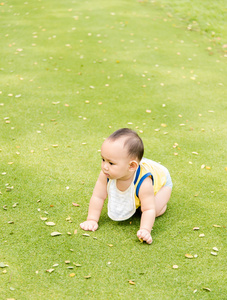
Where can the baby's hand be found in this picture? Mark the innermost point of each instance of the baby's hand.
(145, 236)
(89, 225)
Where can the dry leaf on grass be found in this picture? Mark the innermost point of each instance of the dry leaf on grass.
(55, 233)
(2, 265)
(55, 265)
(77, 265)
(50, 223)
(196, 228)
(50, 270)
(206, 289)
(189, 255)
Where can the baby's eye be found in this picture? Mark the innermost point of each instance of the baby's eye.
(111, 163)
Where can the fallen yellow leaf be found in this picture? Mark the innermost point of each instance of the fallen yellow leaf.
(188, 255)
(86, 234)
(77, 265)
(55, 233)
(207, 289)
(196, 228)
(50, 270)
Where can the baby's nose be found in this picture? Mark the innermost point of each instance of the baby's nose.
(105, 166)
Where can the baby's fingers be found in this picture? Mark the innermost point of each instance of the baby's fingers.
(148, 239)
(82, 226)
(145, 236)
(93, 227)
(140, 235)
(85, 226)
(88, 226)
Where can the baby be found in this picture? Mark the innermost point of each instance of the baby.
(130, 181)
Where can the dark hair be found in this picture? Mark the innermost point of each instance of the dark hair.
(133, 142)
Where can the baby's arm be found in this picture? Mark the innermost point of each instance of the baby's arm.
(96, 204)
(146, 196)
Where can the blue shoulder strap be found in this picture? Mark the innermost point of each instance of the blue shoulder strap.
(137, 175)
(141, 181)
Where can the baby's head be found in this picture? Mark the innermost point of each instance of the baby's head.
(131, 142)
(121, 153)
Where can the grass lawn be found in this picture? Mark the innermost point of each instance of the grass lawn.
(71, 73)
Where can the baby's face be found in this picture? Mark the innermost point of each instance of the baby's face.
(115, 159)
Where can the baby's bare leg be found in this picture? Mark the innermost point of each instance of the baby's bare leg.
(161, 199)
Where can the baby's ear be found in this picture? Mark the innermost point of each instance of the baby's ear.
(133, 165)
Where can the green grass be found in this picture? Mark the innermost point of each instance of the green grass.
(124, 57)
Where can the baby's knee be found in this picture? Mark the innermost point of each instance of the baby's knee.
(161, 212)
